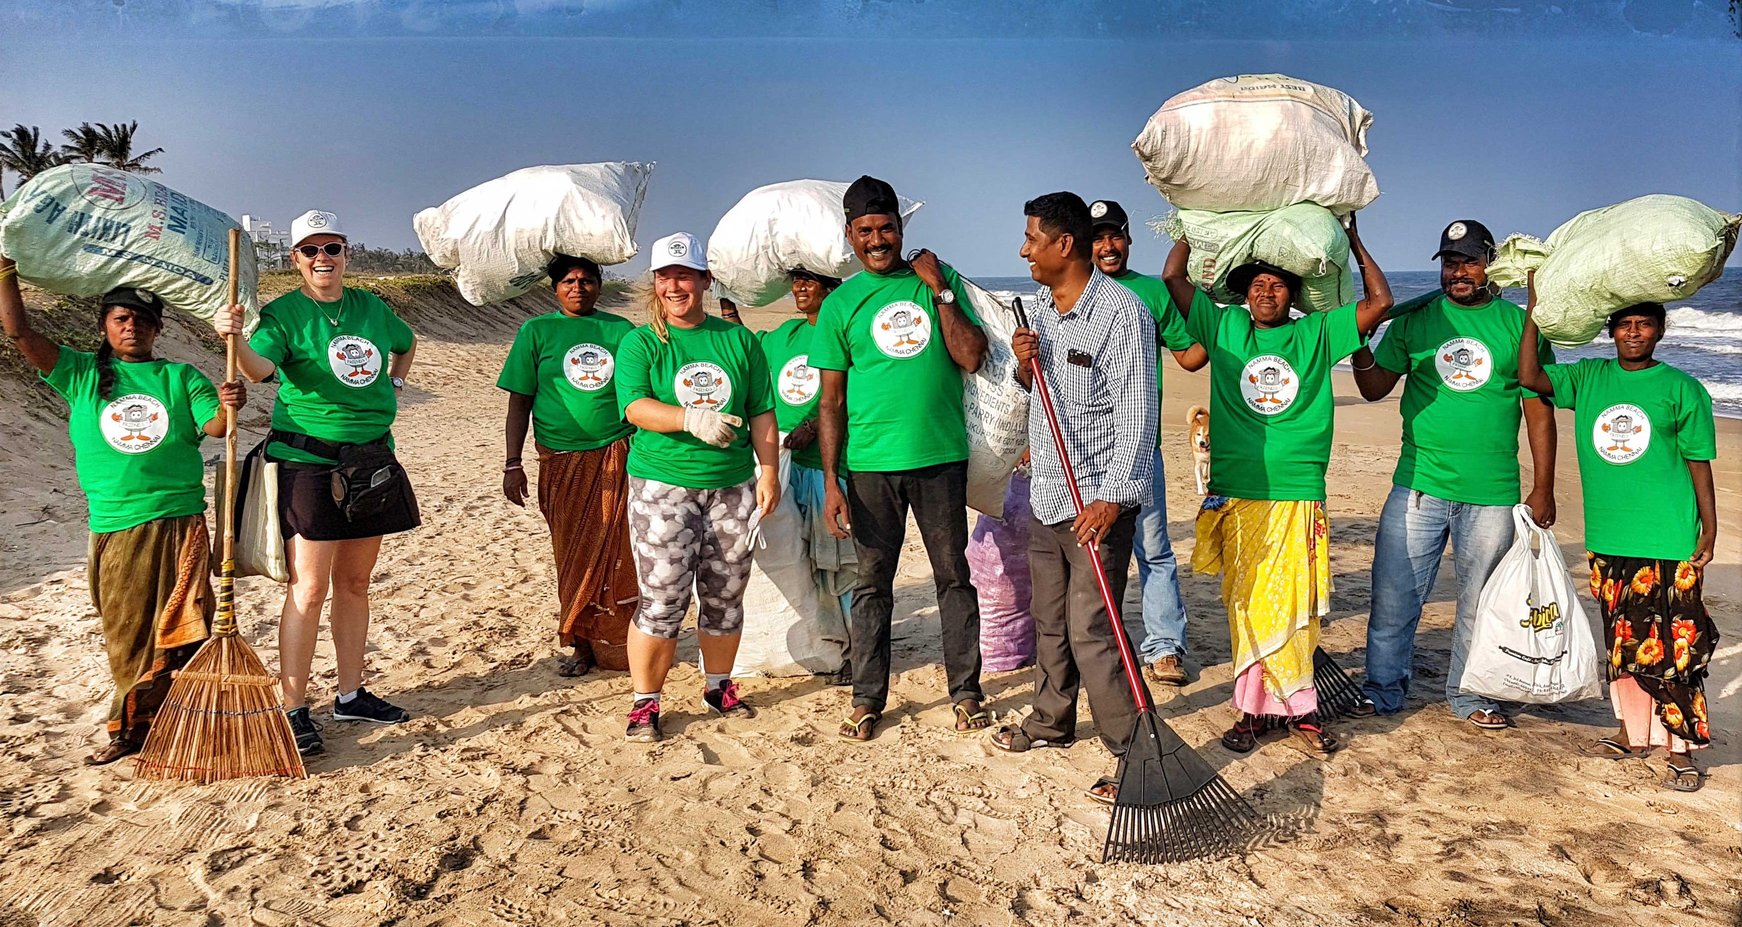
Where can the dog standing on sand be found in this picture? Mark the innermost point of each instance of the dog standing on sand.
(1198, 420)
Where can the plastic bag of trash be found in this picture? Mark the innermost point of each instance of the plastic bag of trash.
(779, 227)
(1305, 239)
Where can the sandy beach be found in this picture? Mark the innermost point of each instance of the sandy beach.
(512, 799)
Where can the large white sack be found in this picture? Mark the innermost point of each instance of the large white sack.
(994, 407)
(1259, 141)
(1656, 248)
(773, 229)
(500, 234)
(790, 627)
(84, 229)
(1531, 641)
(1304, 239)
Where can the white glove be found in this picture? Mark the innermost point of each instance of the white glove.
(712, 427)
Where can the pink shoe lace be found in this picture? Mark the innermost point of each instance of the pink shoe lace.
(645, 712)
(729, 700)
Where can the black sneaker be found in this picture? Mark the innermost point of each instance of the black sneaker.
(725, 702)
(308, 734)
(366, 707)
(643, 722)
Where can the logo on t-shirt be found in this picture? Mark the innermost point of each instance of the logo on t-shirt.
(1622, 433)
(1268, 384)
(901, 329)
(702, 385)
(798, 381)
(355, 360)
(1463, 364)
(588, 367)
(134, 423)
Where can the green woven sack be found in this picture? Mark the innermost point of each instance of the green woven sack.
(1304, 239)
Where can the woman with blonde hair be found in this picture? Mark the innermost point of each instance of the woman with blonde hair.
(341, 355)
(699, 478)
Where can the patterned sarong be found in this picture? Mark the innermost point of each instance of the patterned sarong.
(152, 587)
(1274, 558)
(1660, 640)
(583, 496)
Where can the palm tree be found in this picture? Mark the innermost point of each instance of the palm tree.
(84, 143)
(118, 149)
(23, 152)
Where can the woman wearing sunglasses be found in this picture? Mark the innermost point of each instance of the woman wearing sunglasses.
(341, 355)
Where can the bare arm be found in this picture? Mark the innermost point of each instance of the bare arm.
(1705, 499)
(965, 341)
(653, 415)
(228, 322)
(1179, 279)
(1192, 359)
(1539, 427)
(38, 351)
(1530, 375)
(232, 396)
(1375, 381)
(1376, 298)
(513, 474)
(401, 363)
(831, 432)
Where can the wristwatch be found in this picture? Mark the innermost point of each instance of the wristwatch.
(947, 297)
(398, 382)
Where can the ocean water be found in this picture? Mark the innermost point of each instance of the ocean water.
(1704, 336)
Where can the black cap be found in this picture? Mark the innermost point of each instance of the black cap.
(133, 297)
(1240, 278)
(1107, 212)
(869, 196)
(1468, 238)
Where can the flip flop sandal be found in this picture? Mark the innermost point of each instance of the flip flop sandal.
(1101, 783)
(573, 665)
(1011, 738)
(1327, 742)
(860, 731)
(1611, 749)
(1242, 737)
(964, 717)
(1494, 725)
(1684, 778)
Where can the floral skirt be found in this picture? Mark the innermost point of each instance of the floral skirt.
(1658, 633)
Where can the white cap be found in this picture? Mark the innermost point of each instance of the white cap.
(679, 249)
(314, 222)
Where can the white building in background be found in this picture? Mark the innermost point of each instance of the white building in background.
(270, 245)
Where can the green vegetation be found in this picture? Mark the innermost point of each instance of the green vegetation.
(24, 153)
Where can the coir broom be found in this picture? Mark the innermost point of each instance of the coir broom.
(223, 717)
(1172, 805)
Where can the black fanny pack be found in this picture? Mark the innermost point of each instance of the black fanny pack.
(367, 479)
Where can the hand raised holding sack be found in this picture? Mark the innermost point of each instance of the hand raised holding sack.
(716, 428)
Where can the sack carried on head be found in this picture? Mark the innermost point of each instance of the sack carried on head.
(85, 229)
(1259, 141)
(500, 235)
(797, 224)
(1306, 240)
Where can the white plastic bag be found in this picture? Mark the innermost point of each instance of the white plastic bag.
(1532, 642)
(1656, 248)
(773, 229)
(790, 627)
(499, 235)
(1256, 142)
(994, 408)
(84, 229)
(1303, 239)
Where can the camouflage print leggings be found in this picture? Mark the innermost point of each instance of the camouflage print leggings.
(690, 538)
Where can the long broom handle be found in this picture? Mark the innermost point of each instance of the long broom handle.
(1127, 657)
(226, 617)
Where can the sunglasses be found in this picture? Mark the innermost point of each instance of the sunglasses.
(332, 249)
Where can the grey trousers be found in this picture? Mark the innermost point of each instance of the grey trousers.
(1074, 646)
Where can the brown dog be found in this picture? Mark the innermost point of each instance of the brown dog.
(1198, 420)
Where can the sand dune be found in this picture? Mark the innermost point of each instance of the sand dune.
(511, 799)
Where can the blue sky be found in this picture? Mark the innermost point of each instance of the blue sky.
(1519, 114)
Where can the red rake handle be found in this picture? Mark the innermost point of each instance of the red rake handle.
(1127, 657)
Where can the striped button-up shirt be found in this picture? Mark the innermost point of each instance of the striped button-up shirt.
(1099, 359)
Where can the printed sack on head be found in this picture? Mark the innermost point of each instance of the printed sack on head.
(1258, 142)
(776, 228)
(499, 235)
(85, 229)
(1304, 239)
(994, 408)
(1532, 642)
(1656, 248)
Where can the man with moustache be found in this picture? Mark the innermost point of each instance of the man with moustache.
(1457, 476)
(1164, 612)
(891, 344)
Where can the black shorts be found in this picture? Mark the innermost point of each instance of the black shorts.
(306, 507)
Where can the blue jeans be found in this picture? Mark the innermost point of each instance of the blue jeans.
(1413, 531)
(1164, 610)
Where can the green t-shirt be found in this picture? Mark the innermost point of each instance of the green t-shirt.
(334, 380)
(1271, 408)
(717, 365)
(1170, 326)
(1636, 431)
(137, 452)
(1460, 399)
(904, 393)
(797, 385)
(566, 363)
